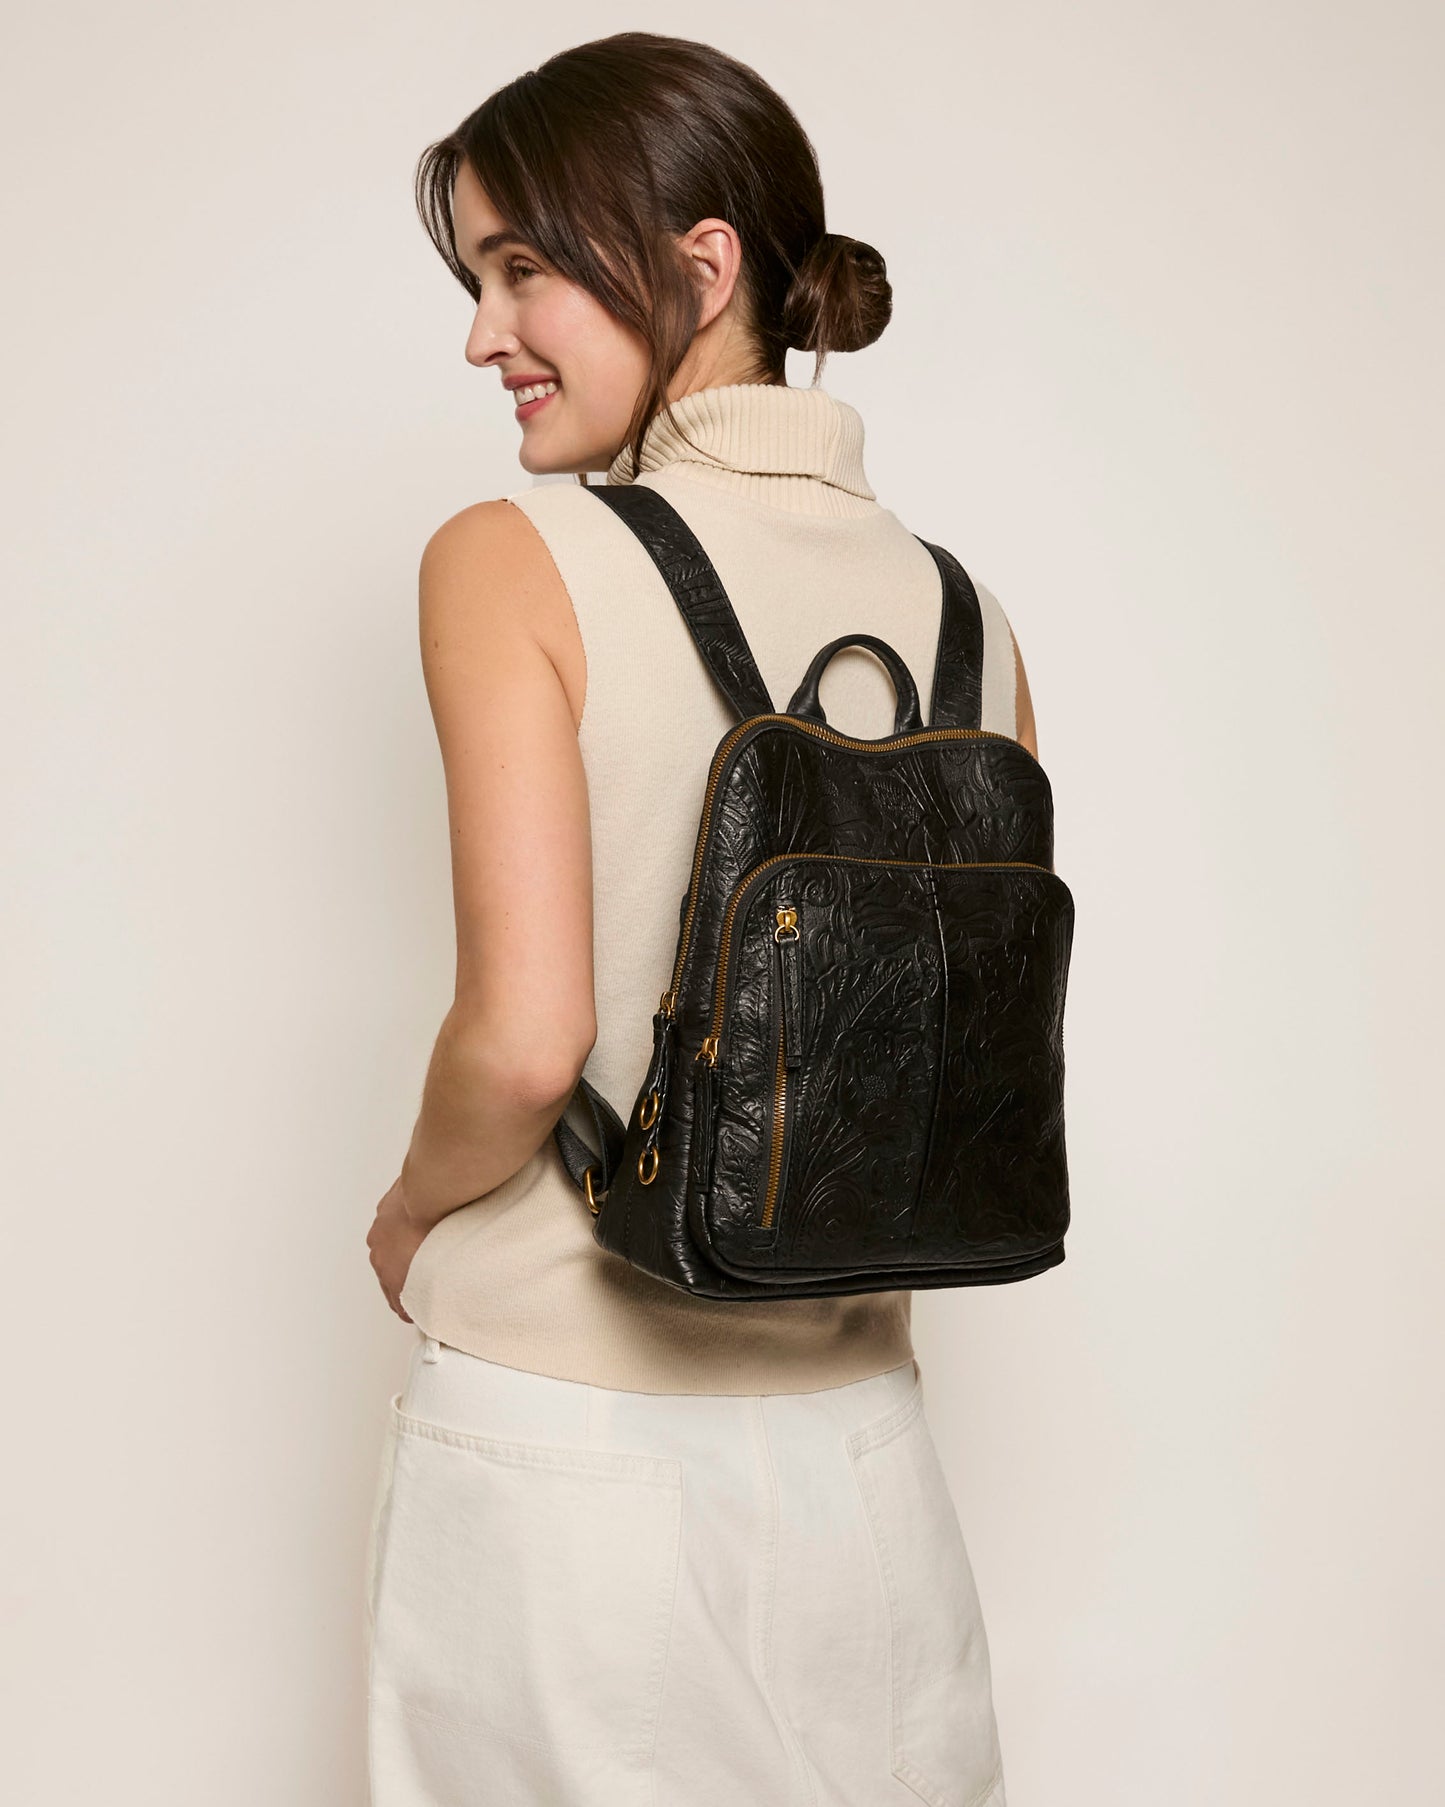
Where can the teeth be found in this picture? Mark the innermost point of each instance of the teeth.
(530, 395)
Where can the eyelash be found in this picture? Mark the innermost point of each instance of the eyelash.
(526, 269)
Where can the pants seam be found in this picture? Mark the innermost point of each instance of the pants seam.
(790, 1738)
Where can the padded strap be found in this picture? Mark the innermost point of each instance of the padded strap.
(957, 700)
(703, 603)
(696, 589)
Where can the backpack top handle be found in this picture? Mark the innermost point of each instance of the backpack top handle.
(805, 702)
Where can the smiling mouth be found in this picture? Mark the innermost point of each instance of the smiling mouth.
(525, 410)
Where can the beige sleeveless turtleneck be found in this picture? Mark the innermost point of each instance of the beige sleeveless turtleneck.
(772, 484)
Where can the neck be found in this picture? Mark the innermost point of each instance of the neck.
(797, 449)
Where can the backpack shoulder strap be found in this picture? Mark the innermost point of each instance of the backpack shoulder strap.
(696, 589)
(957, 700)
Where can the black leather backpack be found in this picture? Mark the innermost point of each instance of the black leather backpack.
(857, 1072)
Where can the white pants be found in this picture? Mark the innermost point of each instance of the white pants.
(585, 1598)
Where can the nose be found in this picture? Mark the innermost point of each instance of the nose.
(489, 340)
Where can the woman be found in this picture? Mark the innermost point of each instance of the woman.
(633, 1545)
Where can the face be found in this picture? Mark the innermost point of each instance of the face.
(534, 323)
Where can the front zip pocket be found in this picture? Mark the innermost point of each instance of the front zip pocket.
(886, 1046)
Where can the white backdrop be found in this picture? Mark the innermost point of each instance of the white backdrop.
(1165, 370)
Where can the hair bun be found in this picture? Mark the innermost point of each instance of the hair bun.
(840, 298)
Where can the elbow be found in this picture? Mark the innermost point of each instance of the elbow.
(535, 1068)
(545, 1084)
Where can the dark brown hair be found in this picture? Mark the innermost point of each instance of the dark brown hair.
(607, 152)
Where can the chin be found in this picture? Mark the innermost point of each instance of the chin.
(537, 465)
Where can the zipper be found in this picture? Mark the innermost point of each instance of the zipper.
(708, 1053)
(790, 1047)
(668, 1001)
(787, 936)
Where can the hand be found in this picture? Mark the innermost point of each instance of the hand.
(393, 1239)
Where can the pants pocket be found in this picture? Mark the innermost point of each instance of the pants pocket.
(944, 1735)
(523, 1598)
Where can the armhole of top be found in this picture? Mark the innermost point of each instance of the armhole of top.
(526, 501)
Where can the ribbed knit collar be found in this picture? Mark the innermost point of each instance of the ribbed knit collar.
(799, 449)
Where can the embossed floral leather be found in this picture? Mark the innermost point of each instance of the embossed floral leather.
(857, 1072)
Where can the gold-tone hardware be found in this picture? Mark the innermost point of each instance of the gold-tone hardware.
(667, 1003)
(787, 920)
(594, 1199)
(819, 733)
(708, 1050)
(646, 1122)
(864, 859)
(642, 1174)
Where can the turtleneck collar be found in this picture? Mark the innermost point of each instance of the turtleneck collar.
(799, 449)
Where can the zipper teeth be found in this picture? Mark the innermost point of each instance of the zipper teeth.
(821, 733)
(780, 1094)
(865, 859)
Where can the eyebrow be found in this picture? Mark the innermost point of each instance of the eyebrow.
(495, 240)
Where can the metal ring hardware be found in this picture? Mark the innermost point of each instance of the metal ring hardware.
(594, 1200)
(647, 1178)
(647, 1121)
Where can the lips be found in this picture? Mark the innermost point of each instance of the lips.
(525, 410)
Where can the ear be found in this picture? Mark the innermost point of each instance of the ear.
(714, 253)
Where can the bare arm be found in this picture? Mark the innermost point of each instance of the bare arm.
(522, 1021)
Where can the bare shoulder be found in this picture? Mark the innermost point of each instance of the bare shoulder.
(1027, 733)
(490, 549)
(997, 623)
(487, 568)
